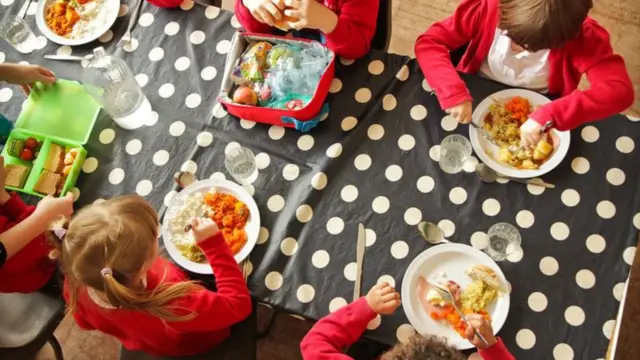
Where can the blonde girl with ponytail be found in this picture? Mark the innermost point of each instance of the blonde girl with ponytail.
(116, 282)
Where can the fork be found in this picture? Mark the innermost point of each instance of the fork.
(246, 269)
(447, 296)
(126, 38)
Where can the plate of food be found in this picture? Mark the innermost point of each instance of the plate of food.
(228, 204)
(476, 282)
(501, 115)
(76, 22)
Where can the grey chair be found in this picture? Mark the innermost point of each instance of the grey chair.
(27, 323)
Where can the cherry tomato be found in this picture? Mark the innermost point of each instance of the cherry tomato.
(294, 104)
(26, 154)
(31, 143)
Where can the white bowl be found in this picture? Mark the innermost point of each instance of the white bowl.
(111, 7)
(486, 151)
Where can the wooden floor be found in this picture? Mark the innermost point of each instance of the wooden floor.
(410, 18)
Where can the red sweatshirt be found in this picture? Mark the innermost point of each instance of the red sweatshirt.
(215, 311)
(30, 268)
(474, 22)
(353, 34)
(332, 334)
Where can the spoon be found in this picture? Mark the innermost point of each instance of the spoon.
(488, 175)
(447, 296)
(432, 233)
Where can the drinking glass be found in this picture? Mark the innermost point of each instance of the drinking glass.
(454, 151)
(504, 240)
(17, 33)
(241, 164)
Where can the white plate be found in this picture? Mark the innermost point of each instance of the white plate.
(223, 186)
(484, 149)
(452, 260)
(110, 7)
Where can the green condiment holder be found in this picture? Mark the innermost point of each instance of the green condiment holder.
(62, 113)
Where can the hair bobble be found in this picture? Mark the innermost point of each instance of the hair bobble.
(60, 233)
(106, 271)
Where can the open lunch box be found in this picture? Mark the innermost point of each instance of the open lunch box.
(302, 119)
(44, 152)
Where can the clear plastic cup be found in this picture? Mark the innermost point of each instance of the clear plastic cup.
(241, 164)
(503, 240)
(454, 151)
(17, 33)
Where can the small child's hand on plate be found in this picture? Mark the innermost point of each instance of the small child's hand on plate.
(462, 112)
(482, 325)
(530, 133)
(383, 299)
(203, 228)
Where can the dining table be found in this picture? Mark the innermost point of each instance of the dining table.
(373, 161)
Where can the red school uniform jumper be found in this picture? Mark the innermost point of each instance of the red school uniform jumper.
(215, 311)
(353, 34)
(329, 336)
(30, 268)
(474, 22)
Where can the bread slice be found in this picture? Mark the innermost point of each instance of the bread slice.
(48, 183)
(55, 159)
(16, 175)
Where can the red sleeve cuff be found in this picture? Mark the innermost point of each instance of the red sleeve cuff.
(362, 310)
(497, 351)
(213, 243)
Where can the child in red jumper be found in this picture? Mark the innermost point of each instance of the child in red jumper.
(348, 26)
(543, 45)
(327, 339)
(116, 282)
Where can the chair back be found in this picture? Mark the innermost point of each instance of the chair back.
(382, 37)
(23, 317)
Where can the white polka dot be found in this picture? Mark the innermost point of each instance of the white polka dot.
(273, 280)
(574, 315)
(152, 119)
(491, 207)
(336, 304)
(349, 123)
(406, 142)
(606, 209)
(177, 128)
(447, 226)
(116, 176)
(629, 254)
(76, 193)
(218, 111)
(204, 139)
(363, 95)
(208, 73)
(161, 157)
(64, 50)
(405, 332)
(320, 259)
(334, 150)
(131, 45)
(370, 237)
(449, 123)
(189, 166)
(350, 271)
(570, 197)
(425, 184)
(319, 181)
(525, 339)
(434, 153)
(596, 243)
(107, 136)
(290, 172)
(393, 173)
(615, 176)
(375, 132)
(458, 195)
(144, 187)
(380, 204)
(389, 102)
(223, 47)
(426, 86)
(289, 246)
(625, 144)
(218, 175)
(142, 79)
(535, 189)
(375, 323)
(349, 193)
(276, 132)
(549, 266)
(562, 352)
(106, 37)
(304, 213)
(2, 57)
(346, 61)
(559, 231)
(6, 94)
(585, 279)
(305, 142)
(336, 86)
(133, 147)
(516, 256)
(399, 249)
(525, 219)
(418, 112)
(263, 235)
(376, 67)
(212, 12)
(169, 197)
(40, 43)
(412, 216)
(636, 221)
(197, 37)
(182, 63)
(580, 165)
(362, 162)
(335, 225)
(633, 118)
(172, 28)
(479, 240)
(247, 124)
(403, 73)
(145, 19)
(590, 134)
(193, 100)
(618, 291)
(275, 203)
(608, 328)
(537, 302)
(387, 279)
(90, 165)
(166, 90)
(262, 160)
(187, 5)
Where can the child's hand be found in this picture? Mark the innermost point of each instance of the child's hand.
(50, 208)
(483, 327)
(265, 11)
(530, 133)
(462, 113)
(26, 75)
(203, 228)
(383, 299)
(310, 14)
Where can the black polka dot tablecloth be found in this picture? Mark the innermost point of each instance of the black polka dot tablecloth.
(373, 160)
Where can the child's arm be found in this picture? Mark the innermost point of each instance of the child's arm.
(432, 52)
(355, 28)
(610, 89)
(246, 19)
(331, 335)
(496, 352)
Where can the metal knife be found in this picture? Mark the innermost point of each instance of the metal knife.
(485, 134)
(23, 10)
(65, 57)
(359, 260)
